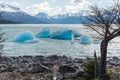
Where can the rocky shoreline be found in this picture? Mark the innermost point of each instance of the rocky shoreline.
(51, 67)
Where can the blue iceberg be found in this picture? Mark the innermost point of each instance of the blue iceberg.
(76, 34)
(85, 39)
(27, 36)
(44, 33)
(62, 34)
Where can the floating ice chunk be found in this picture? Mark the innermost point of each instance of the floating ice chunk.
(76, 34)
(85, 39)
(44, 33)
(72, 39)
(31, 41)
(62, 34)
(27, 36)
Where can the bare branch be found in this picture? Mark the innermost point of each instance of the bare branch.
(94, 29)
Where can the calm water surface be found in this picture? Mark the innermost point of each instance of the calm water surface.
(51, 46)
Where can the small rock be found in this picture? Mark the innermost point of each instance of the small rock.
(115, 58)
(1, 79)
(18, 72)
(115, 63)
(3, 65)
(39, 57)
(36, 68)
(64, 56)
(48, 64)
(7, 59)
(80, 73)
(69, 61)
(28, 57)
(78, 60)
(66, 69)
(9, 69)
(53, 57)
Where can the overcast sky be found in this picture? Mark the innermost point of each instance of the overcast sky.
(53, 7)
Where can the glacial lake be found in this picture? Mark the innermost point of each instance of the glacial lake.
(46, 46)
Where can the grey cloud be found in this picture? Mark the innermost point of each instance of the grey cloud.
(76, 1)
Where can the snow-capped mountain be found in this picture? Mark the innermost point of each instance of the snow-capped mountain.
(9, 8)
(15, 14)
(78, 14)
(68, 18)
(42, 15)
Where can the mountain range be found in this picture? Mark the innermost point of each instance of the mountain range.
(68, 18)
(11, 14)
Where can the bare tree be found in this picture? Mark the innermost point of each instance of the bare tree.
(106, 22)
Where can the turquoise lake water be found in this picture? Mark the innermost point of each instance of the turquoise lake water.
(48, 46)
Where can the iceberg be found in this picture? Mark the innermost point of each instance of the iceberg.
(62, 34)
(85, 39)
(44, 33)
(76, 34)
(31, 41)
(27, 36)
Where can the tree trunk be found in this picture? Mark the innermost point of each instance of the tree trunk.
(96, 65)
(104, 45)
